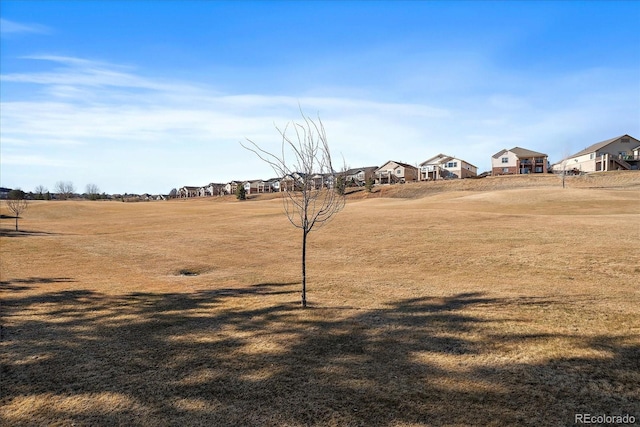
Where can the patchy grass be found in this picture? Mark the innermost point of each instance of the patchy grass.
(484, 306)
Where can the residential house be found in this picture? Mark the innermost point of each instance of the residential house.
(257, 186)
(273, 184)
(359, 176)
(619, 153)
(188, 191)
(395, 172)
(292, 182)
(232, 186)
(212, 189)
(518, 161)
(443, 166)
(317, 181)
(322, 180)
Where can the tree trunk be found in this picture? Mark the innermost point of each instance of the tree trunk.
(16, 222)
(304, 268)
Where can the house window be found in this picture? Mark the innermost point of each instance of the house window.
(505, 170)
(505, 160)
(592, 156)
(398, 172)
(452, 164)
(538, 169)
(625, 140)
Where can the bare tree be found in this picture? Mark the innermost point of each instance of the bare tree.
(565, 161)
(40, 192)
(17, 206)
(93, 192)
(65, 189)
(305, 161)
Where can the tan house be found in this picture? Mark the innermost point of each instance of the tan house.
(318, 180)
(292, 182)
(518, 161)
(257, 186)
(212, 189)
(395, 172)
(359, 176)
(443, 166)
(232, 187)
(619, 153)
(273, 184)
(188, 191)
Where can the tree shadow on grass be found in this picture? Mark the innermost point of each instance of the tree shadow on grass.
(24, 233)
(226, 357)
(17, 285)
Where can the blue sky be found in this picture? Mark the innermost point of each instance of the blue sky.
(145, 96)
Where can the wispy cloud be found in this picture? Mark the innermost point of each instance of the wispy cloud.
(77, 72)
(11, 27)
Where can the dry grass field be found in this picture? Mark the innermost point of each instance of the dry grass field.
(500, 301)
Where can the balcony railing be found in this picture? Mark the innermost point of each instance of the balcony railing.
(625, 157)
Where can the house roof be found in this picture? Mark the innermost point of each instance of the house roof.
(406, 165)
(356, 170)
(443, 158)
(397, 163)
(440, 157)
(520, 152)
(598, 145)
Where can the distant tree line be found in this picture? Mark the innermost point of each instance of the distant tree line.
(63, 190)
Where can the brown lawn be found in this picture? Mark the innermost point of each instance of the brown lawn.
(502, 301)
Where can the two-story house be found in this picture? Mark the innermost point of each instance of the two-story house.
(212, 189)
(518, 161)
(619, 153)
(359, 176)
(188, 191)
(443, 166)
(395, 172)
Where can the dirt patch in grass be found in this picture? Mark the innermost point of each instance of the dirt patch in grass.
(191, 271)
